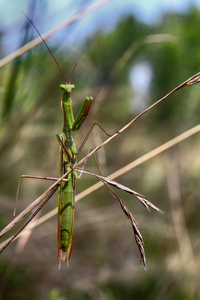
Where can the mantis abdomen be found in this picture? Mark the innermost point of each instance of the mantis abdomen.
(67, 194)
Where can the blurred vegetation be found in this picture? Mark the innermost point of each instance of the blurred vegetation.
(105, 260)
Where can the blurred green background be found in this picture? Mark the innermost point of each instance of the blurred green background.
(126, 62)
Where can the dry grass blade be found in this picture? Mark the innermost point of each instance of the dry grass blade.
(38, 40)
(46, 199)
(35, 203)
(137, 234)
(138, 237)
(193, 80)
(149, 205)
(124, 188)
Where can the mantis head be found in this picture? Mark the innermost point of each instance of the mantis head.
(68, 88)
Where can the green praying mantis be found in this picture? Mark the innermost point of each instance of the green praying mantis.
(68, 172)
(66, 192)
(67, 161)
